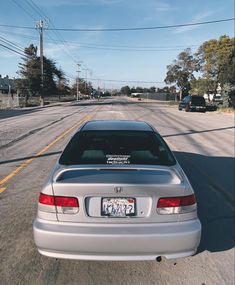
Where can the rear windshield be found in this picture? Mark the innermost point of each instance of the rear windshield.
(117, 147)
(196, 99)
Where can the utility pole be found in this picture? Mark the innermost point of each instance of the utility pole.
(40, 27)
(78, 92)
(86, 69)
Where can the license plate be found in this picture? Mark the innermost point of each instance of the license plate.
(118, 207)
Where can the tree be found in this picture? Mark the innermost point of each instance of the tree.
(216, 59)
(165, 89)
(172, 89)
(139, 89)
(30, 72)
(201, 86)
(126, 90)
(228, 93)
(29, 83)
(181, 71)
(83, 87)
(133, 90)
(63, 87)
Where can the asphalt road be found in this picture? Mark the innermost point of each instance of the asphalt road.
(204, 146)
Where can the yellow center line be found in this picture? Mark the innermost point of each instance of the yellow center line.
(3, 189)
(27, 162)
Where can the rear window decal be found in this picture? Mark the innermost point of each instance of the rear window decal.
(117, 159)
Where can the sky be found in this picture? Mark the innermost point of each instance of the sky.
(112, 59)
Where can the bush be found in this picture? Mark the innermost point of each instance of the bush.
(228, 94)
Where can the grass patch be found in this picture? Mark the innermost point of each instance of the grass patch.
(229, 110)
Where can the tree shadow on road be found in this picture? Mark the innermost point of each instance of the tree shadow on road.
(4, 114)
(212, 179)
(19, 159)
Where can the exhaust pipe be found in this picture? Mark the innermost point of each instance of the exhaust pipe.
(159, 259)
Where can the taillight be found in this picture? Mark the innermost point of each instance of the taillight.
(63, 204)
(46, 199)
(66, 202)
(176, 205)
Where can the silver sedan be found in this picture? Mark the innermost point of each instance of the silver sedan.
(117, 193)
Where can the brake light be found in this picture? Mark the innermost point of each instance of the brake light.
(46, 199)
(176, 205)
(63, 204)
(66, 202)
(168, 202)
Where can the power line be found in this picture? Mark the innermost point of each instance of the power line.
(14, 45)
(125, 29)
(125, 81)
(18, 34)
(35, 8)
(144, 28)
(13, 50)
(17, 27)
(128, 49)
(39, 12)
(115, 80)
(26, 11)
(109, 47)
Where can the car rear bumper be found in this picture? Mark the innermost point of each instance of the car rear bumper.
(117, 242)
(198, 108)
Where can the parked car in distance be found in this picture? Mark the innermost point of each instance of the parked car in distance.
(193, 103)
(217, 99)
(117, 193)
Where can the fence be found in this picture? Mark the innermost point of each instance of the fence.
(9, 101)
(158, 96)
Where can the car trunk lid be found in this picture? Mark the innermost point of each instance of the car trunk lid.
(97, 187)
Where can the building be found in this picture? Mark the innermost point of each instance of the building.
(7, 85)
(8, 96)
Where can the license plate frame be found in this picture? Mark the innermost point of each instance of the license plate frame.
(125, 207)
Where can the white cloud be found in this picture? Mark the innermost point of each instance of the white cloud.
(164, 7)
(198, 18)
(58, 50)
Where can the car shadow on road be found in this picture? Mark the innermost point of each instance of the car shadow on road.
(212, 179)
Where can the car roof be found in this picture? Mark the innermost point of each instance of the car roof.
(117, 125)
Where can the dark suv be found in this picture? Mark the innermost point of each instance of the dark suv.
(193, 103)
